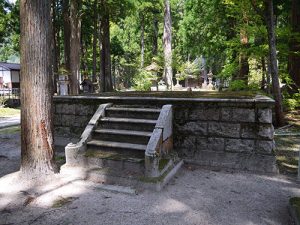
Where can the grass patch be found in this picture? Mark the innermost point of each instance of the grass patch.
(295, 203)
(62, 202)
(10, 130)
(9, 112)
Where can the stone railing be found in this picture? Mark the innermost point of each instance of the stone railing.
(161, 141)
(72, 150)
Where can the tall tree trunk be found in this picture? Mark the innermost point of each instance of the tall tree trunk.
(105, 73)
(75, 45)
(67, 33)
(264, 72)
(95, 39)
(294, 56)
(167, 40)
(37, 152)
(155, 35)
(270, 23)
(142, 41)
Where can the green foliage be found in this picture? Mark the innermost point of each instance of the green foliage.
(292, 102)
(238, 85)
(142, 81)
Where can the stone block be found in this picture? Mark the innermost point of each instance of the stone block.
(81, 121)
(181, 114)
(57, 120)
(68, 109)
(239, 145)
(266, 132)
(59, 108)
(67, 120)
(238, 115)
(188, 146)
(249, 130)
(265, 147)
(201, 143)
(62, 131)
(216, 144)
(84, 110)
(199, 128)
(218, 129)
(264, 115)
(207, 114)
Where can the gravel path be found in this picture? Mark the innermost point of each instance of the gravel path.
(195, 196)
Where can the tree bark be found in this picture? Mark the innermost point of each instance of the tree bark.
(244, 64)
(75, 45)
(294, 56)
(37, 152)
(270, 23)
(142, 41)
(155, 36)
(167, 40)
(264, 72)
(95, 39)
(67, 33)
(105, 72)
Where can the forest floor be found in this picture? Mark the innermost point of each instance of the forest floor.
(195, 196)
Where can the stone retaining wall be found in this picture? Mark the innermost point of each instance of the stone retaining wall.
(228, 133)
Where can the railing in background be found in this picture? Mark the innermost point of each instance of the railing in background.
(10, 97)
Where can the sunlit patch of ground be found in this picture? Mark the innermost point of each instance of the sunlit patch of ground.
(9, 112)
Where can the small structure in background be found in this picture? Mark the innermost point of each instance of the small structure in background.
(9, 75)
(87, 85)
(154, 69)
(63, 83)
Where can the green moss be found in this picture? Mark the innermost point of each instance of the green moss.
(62, 202)
(163, 163)
(155, 180)
(295, 203)
(110, 155)
(182, 94)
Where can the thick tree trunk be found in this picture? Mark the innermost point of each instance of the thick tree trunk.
(75, 45)
(270, 23)
(142, 41)
(155, 35)
(167, 40)
(37, 152)
(95, 39)
(67, 33)
(294, 56)
(55, 32)
(105, 73)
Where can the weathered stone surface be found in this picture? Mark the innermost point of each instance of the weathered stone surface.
(249, 130)
(218, 129)
(264, 115)
(266, 132)
(207, 114)
(80, 121)
(265, 147)
(84, 110)
(59, 108)
(238, 115)
(216, 144)
(188, 146)
(199, 128)
(201, 143)
(68, 109)
(181, 114)
(238, 145)
(68, 120)
(57, 120)
(62, 131)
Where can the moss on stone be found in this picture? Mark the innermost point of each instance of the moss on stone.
(295, 203)
(163, 163)
(110, 155)
(62, 202)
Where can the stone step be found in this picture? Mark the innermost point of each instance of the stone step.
(138, 113)
(104, 145)
(128, 136)
(127, 124)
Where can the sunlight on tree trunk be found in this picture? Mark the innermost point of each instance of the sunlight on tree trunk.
(167, 39)
(37, 152)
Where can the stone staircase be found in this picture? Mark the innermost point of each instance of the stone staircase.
(125, 143)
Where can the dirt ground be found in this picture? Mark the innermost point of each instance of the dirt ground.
(195, 196)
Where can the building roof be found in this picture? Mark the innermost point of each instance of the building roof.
(10, 66)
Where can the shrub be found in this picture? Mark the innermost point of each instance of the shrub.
(238, 85)
(142, 81)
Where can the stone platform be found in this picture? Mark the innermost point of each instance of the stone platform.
(228, 132)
